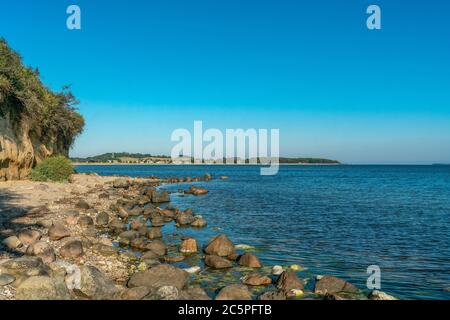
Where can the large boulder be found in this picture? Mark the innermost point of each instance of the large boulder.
(24, 267)
(217, 262)
(160, 196)
(256, 280)
(42, 288)
(249, 260)
(220, 246)
(58, 231)
(29, 236)
(95, 285)
(288, 281)
(234, 292)
(332, 285)
(72, 249)
(159, 276)
(42, 250)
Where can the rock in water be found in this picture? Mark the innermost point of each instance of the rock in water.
(154, 233)
(188, 245)
(249, 260)
(256, 280)
(157, 247)
(29, 236)
(234, 292)
(159, 276)
(217, 262)
(57, 232)
(273, 295)
(95, 285)
(72, 249)
(220, 246)
(42, 288)
(198, 222)
(380, 295)
(160, 196)
(277, 270)
(332, 285)
(288, 281)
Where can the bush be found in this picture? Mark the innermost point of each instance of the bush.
(57, 168)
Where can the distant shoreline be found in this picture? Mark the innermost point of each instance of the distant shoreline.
(200, 164)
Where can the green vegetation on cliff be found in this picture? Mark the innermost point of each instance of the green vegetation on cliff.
(50, 116)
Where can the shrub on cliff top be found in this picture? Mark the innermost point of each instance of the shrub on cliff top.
(50, 116)
(56, 169)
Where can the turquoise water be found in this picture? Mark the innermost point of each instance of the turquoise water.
(334, 220)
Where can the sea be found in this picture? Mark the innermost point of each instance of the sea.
(329, 220)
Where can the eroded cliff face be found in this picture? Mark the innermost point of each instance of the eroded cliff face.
(35, 122)
(19, 150)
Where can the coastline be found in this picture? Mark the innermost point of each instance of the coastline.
(109, 230)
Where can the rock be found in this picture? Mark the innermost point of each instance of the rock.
(380, 295)
(85, 221)
(224, 178)
(295, 267)
(167, 293)
(57, 232)
(277, 270)
(154, 233)
(12, 242)
(42, 250)
(256, 280)
(81, 204)
(72, 217)
(24, 266)
(136, 224)
(121, 184)
(116, 226)
(160, 196)
(158, 247)
(188, 245)
(46, 223)
(123, 213)
(95, 285)
(159, 276)
(197, 191)
(198, 222)
(193, 294)
(137, 293)
(102, 219)
(127, 236)
(220, 246)
(6, 279)
(273, 295)
(105, 250)
(243, 247)
(234, 292)
(233, 257)
(288, 280)
(90, 232)
(158, 221)
(29, 236)
(249, 260)
(184, 219)
(42, 288)
(193, 270)
(332, 285)
(217, 262)
(72, 249)
(174, 258)
(139, 243)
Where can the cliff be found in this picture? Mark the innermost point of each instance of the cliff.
(34, 121)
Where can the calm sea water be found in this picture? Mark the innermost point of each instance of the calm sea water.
(334, 220)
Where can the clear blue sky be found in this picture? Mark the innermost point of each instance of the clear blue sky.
(310, 68)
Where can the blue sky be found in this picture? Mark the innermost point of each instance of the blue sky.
(310, 68)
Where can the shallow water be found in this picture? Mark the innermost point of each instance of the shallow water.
(334, 220)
